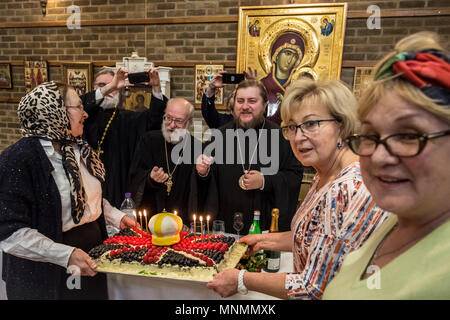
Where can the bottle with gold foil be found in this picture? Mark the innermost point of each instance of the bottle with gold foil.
(273, 257)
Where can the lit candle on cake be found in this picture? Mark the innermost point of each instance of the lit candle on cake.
(140, 219)
(135, 221)
(201, 226)
(145, 219)
(195, 230)
(207, 225)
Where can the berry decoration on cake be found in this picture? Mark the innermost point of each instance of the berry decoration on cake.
(167, 252)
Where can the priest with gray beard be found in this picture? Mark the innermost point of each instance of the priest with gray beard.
(114, 132)
(162, 171)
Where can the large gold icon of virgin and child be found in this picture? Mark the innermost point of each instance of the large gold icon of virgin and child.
(288, 51)
(284, 43)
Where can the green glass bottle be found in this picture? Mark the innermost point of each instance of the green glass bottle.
(255, 228)
(273, 257)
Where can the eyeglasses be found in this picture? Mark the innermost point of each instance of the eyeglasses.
(100, 84)
(400, 145)
(79, 107)
(307, 127)
(177, 121)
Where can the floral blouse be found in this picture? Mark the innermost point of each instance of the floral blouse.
(329, 224)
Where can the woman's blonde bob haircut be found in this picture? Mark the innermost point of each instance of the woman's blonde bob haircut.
(402, 88)
(334, 94)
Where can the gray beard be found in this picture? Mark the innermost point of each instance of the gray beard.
(173, 137)
(110, 102)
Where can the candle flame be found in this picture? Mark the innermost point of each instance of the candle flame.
(201, 218)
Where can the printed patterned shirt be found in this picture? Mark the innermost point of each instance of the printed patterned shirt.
(329, 224)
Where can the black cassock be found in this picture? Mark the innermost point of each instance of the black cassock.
(280, 191)
(121, 139)
(185, 196)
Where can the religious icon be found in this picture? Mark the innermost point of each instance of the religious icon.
(5, 76)
(203, 76)
(253, 29)
(35, 73)
(78, 75)
(138, 100)
(362, 79)
(326, 27)
(291, 42)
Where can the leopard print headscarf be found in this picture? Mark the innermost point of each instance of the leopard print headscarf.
(42, 114)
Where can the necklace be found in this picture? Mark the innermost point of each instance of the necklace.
(169, 181)
(378, 255)
(241, 179)
(99, 146)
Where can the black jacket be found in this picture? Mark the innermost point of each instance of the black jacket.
(30, 198)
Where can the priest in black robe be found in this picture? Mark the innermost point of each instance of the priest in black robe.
(115, 132)
(253, 166)
(162, 175)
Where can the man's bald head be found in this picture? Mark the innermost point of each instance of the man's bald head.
(180, 109)
(178, 117)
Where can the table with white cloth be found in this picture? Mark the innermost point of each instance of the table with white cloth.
(128, 287)
(2, 283)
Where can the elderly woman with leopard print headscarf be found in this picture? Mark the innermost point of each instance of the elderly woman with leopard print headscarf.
(51, 206)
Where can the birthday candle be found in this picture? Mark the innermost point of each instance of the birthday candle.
(201, 226)
(195, 230)
(135, 221)
(140, 219)
(145, 218)
(207, 225)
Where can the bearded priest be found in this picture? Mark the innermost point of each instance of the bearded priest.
(163, 166)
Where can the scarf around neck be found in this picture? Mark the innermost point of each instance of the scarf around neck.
(43, 114)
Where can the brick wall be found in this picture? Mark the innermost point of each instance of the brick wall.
(172, 40)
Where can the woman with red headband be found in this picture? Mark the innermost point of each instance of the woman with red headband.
(404, 150)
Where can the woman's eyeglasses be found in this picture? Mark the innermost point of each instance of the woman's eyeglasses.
(307, 127)
(79, 107)
(400, 145)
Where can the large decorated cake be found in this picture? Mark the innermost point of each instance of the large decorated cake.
(166, 251)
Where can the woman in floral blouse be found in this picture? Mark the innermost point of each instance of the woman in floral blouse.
(338, 213)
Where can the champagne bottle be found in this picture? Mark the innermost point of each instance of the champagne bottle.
(273, 257)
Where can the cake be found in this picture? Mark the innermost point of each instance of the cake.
(167, 252)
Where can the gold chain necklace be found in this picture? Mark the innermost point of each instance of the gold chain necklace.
(99, 146)
(169, 181)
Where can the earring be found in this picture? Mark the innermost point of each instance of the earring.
(339, 145)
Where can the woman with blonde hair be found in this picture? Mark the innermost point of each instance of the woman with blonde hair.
(338, 213)
(404, 147)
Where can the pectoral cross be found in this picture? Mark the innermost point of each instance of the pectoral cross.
(169, 184)
(99, 152)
